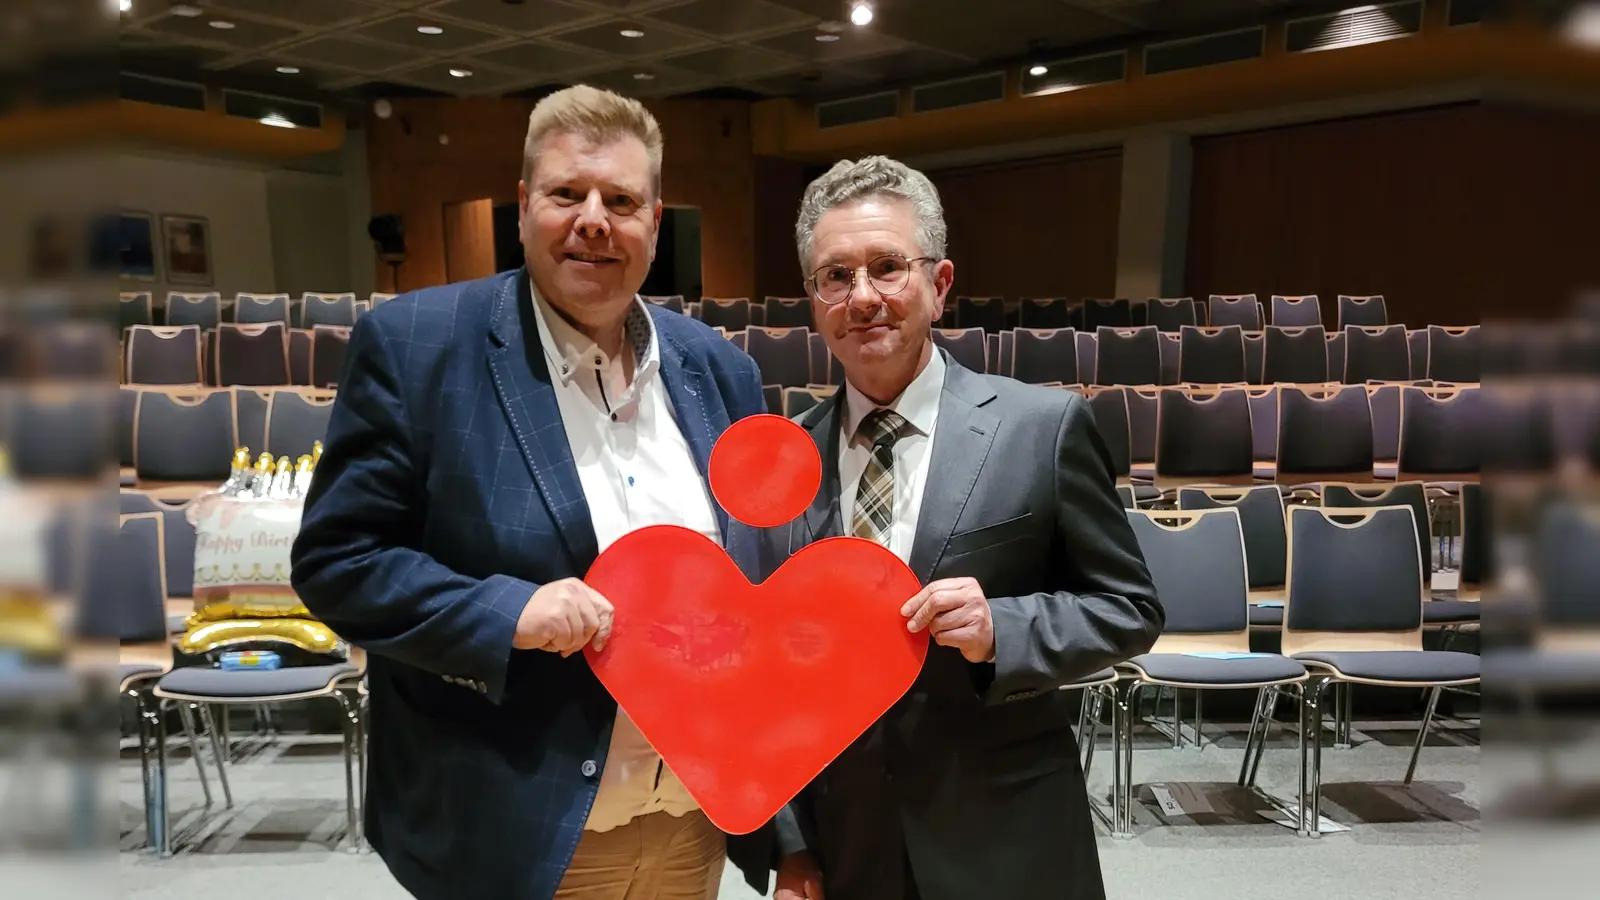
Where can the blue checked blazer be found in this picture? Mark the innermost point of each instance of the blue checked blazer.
(445, 496)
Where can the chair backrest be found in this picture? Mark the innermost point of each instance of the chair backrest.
(295, 421)
(1171, 313)
(1384, 401)
(732, 313)
(1211, 355)
(1197, 563)
(966, 346)
(1039, 356)
(1336, 356)
(1518, 430)
(184, 437)
(125, 585)
(127, 400)
(1362, 310)
(204, 310)
(1406, 493)
(1044, 312)
(250, 415)
(783, 355)
(327, 309)
(1107, 312)
(1453, 354)
(1294, 355)
(1324, 435)
(797, 400)
(1171, 356)
(1143, 409)
(1127, 356)
(1203, 436)
(1296, 311)
(163, 355)
(1438, 434)
(178, 536)
(1088, 356)
(1264, 421)
(300, 356)
(1255, 351)
(251, 354)
(1126, 495)
(1261, 516)
(785, 312)
(378, 298)
(824, 368)
(329, 346)
(135, 308)
(987, 313)
(1566, 567)
(249, 309)
(74, 350)
(735, 338)
(1353, 580)
(61, 431)
(1007, 358)
(1243, 310)
(1377, 353)
(1110, 408)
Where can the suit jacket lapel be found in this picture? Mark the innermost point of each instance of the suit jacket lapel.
(961, 440)
(522, 382)
(822, 519)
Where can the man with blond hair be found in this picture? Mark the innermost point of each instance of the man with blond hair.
(490, 439)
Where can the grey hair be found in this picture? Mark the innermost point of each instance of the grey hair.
(872, 176)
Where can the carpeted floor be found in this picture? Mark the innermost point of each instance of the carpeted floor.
(1403, 843)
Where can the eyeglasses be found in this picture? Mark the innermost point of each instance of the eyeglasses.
(889, 275)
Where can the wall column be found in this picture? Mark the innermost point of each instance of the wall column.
(1153, 224)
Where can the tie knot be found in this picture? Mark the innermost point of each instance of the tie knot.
(882, 426)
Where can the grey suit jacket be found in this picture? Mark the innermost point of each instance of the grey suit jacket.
(973, 777)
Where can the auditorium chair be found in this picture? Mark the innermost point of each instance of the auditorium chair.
(1362, 310)
(1378, 353)
(377, 299)
(1044, 312)
(1211, 355)
(327, 309)
(736, 338)
(1127, 356)
(300, 356)
(673, 302)
(1324, 434)
(783, 355)
(1007, 361)
(74, 351)
(1203, 437)
(1088, 356)
(1040, 357)
(1384, 401)
(178, 546)
(1143, 402)
(797, 400)
(967, 346)
(183, 441)
(1294, 355)
(1336, 357)
(135, 308)
(1297, 311)
(1109, 313)
(987, 313)
(732, 313)
(1243, 310)
(251, 309)
(251, 354)
(1436, 613)
(1266, 549)
(1264, 429)
(1254, 357)
(824, 368)
(295, 421)
(1170, 313)
(162, 354)
(787, 312)
(1417, 348)
(1439, 435)
(203, 310)
(1171, 356)
(61, 432)
(329, 346)
(1453, 354)
(127, 401)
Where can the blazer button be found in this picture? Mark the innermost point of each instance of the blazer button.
(589, 768)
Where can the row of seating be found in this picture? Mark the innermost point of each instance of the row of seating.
(266, 353)
(209, 309)
(995, 314)
(182, 439)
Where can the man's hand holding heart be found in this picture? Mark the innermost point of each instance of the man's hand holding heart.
(956, 614)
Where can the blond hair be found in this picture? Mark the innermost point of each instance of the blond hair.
(598, 115)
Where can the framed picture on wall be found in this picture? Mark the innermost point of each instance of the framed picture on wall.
(134, 237)
(188, 243)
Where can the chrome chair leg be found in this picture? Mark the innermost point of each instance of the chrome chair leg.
(217, 754)
(1311, 808)
(1090, 731)
(1125, 825)
(349, 729)
(186, 715)
(1266, 730)
(162, 842)
(1343, 713)
(1422, 733)
(1199, 741)
(1250, 740)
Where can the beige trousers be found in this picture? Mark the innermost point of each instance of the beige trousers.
(654, 857)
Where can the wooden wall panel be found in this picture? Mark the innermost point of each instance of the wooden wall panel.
(1454, 213)
(1043, 228)
(469, 239)
(779, 187)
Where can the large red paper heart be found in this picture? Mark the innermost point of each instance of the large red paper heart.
(749, 691)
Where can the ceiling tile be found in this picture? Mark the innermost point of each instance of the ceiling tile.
(304, 13)
(832, 82)
(911, 65)
(608, 39)
(436, 76)
(734, 18)
(246, 34)
(402, 30)
(536, 56)
(733, 62)
(521, 18)
(666, 81)
(344, 53)
(308, 77)
(851, 44)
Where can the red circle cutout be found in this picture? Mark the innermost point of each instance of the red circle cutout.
(765, 471)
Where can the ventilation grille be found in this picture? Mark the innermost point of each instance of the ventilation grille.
(1210, 50)
(280, 110)
(161, 91)
(985, 88)
(854, 110)
(1466, 12)
(1361, 25)
(1071, 74)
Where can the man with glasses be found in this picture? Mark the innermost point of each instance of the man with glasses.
(1000, 497)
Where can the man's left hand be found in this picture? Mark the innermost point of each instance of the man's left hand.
(956, 614)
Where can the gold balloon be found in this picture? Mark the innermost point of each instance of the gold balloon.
(307, 634)
(28, 626)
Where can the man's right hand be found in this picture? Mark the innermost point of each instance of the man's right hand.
(798, 878)
(562, 617)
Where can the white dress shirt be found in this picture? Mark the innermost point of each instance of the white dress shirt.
(918, 404)
(636, 469)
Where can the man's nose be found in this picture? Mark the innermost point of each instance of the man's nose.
(864, 296)
(592, 219)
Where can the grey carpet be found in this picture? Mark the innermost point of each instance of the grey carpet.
(1403, 843)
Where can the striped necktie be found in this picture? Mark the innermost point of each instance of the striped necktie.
(874, 512)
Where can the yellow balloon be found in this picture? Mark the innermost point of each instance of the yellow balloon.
(307, 634)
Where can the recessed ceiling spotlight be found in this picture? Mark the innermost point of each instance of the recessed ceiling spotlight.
(644, 76)
(1038, 70)
(461, 73)
(276, 120)
(125, 5)
(861, 14)
(288, 70)
(429, 29)
(827, 38)
(186, 11)
(631, 33)
(222, 24)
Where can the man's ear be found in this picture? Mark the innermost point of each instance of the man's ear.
(944, 278)
(655, 231)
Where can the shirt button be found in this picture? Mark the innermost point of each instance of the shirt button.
(565, 368)
(630, 481)
(613, 417)
(598, 361)
(589, 768)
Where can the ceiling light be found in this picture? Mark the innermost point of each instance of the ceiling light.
(861, 14)
(126, 5)
(827, 38)
(644, 76)
(1038, 70)
(186, 11)
(224, 25)
(631, 33)
(289, 70)
(276, 120)
(461, 73)
(429, 29)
